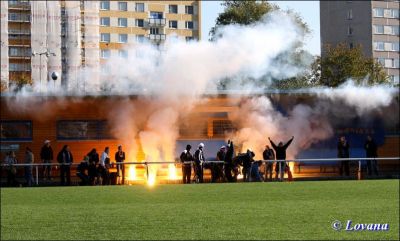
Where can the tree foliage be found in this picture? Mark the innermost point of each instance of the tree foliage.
(341, 63)
(246, 12)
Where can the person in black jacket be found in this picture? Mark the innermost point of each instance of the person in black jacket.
(268, 154)
(343, 152)
(280, 152)
(217, 168)
(247, 160)
(186, 159)
(65, 158)
(120, 157)
(228, 162)
(198, 163)
(46, 154)
(371, 150)
(94, 159)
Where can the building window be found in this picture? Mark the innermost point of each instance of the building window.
(19, 52)
(395, 46)
(19, 67)
(105, 37)
(139, 23)
(350, 14)
(83, 130)
(105, 53)
(122, 6)
(381, 61)
(122, 38)
(189, 24)
(378, 12)
(379, 46)
(394, 79)
(189, 9)
(394, 13)
(173, 24)
(351, 45)
(154, 31)
(123, 53)
(350, 30)
(221, 127)
(392, 63)
(394, 30)
(122, 22)
(16, 130)
(189, 38)
(156, 15)
(104, 5)
(173, 8)
(139, 7)
(378, 29)
(105, 21)
(140, 38)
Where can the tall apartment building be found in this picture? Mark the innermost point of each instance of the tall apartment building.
(41, 37)
(373, 24)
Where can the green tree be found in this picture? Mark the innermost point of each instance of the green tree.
(341, 63)
(246, 12)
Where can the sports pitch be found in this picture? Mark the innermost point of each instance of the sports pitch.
(258, 211)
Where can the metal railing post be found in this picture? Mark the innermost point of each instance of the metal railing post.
(37, 175)
(359, 169)
(147, 171)
(280, 171)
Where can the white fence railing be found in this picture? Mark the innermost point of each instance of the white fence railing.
(146, 164)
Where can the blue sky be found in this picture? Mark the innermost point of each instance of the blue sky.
(309, 10)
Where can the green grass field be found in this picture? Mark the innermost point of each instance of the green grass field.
(299, 210)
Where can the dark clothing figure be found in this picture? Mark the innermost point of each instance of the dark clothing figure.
(217, 168)
(343, 152)
(46, 155)
(82, 172)
(247, 160)
(280, 152)
(228, 163)
(268, 154)
(93, 160)
(10, 160)
(255, 175)
(198, 165)
(120, 157)
(65, 158)
(186, 160)
(371, 150)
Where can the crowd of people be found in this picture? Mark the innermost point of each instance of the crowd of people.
(97, 169)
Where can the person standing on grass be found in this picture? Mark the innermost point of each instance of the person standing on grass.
(103, 166)
(82, 171)
(46, 154)
(268, 154)
(228, 162)
(186, 160)
(371, 151)
(343, 148)
(10, 160)
(29, 159)
(94, 159)
(198, 163)
(120, 157)
(280, 151)
(65, 158)
(218, 167)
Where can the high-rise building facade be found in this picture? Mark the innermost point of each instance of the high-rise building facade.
(42, 37)
(373, 24)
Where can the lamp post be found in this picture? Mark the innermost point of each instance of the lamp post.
(47, 53)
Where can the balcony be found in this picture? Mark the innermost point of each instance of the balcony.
(19, 5)
(19, 31)
(157, 37)
(19, 18)
(156, 22)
